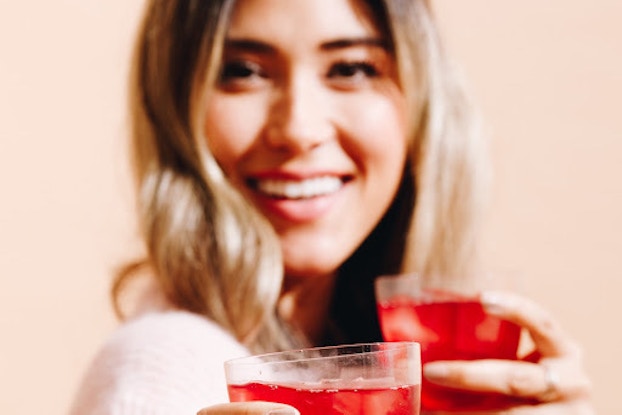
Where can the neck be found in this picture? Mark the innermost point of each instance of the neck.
(305, 304)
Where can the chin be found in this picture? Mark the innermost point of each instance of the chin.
(312, 270)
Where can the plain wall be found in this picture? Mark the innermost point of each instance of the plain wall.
(547, 77)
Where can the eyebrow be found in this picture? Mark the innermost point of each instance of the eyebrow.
(249, 45)
(252, 45)
(354, 42)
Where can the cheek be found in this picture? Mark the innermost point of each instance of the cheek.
(379, 128)
(229, 130)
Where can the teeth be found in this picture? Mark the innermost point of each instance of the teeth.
(300, 189)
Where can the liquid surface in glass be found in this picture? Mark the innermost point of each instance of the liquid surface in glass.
(398, 400)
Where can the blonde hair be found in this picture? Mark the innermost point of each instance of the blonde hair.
(210, 251)
(449, 155)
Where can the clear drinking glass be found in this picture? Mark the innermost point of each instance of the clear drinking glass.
(365, 379)
(450, 323)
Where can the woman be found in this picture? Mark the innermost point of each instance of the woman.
(287, 152)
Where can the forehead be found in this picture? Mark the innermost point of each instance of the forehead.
(302, 20)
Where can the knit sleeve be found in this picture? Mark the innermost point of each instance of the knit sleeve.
(163, 363)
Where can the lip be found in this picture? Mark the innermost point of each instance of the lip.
(295, 175)
(297, 209)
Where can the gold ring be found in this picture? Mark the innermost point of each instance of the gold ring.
(551, 381)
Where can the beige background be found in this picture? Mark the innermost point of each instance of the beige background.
(547, 75)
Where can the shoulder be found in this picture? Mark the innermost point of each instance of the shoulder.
(170, 361)
(177, 338)
(177, 327)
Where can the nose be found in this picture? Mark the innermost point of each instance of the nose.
(299, 117)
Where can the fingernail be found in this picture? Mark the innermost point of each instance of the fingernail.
(283, 411)
(434, 371)
(491, 303)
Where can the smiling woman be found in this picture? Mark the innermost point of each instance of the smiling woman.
(323, 131)
(286, 153)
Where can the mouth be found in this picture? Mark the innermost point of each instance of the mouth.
(298, 189)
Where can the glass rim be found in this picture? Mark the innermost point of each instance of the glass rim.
(449, 286)
(302, 354)
(400, 276)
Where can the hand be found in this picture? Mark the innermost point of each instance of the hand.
(551, 380)
(250, 408)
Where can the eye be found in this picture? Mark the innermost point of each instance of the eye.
(353, 70)
(239, 72)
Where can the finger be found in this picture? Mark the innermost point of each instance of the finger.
(565, 378)
(555, 380)
(250, 408)
(576, 407)
(548, 336)
(523, 380)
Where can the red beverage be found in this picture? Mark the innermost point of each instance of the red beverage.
(456, 329)
(397, 400)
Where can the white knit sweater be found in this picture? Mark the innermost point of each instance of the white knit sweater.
(165, 362)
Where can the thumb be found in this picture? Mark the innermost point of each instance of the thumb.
(250, 408)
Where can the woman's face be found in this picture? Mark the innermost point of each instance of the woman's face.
(308, 122)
